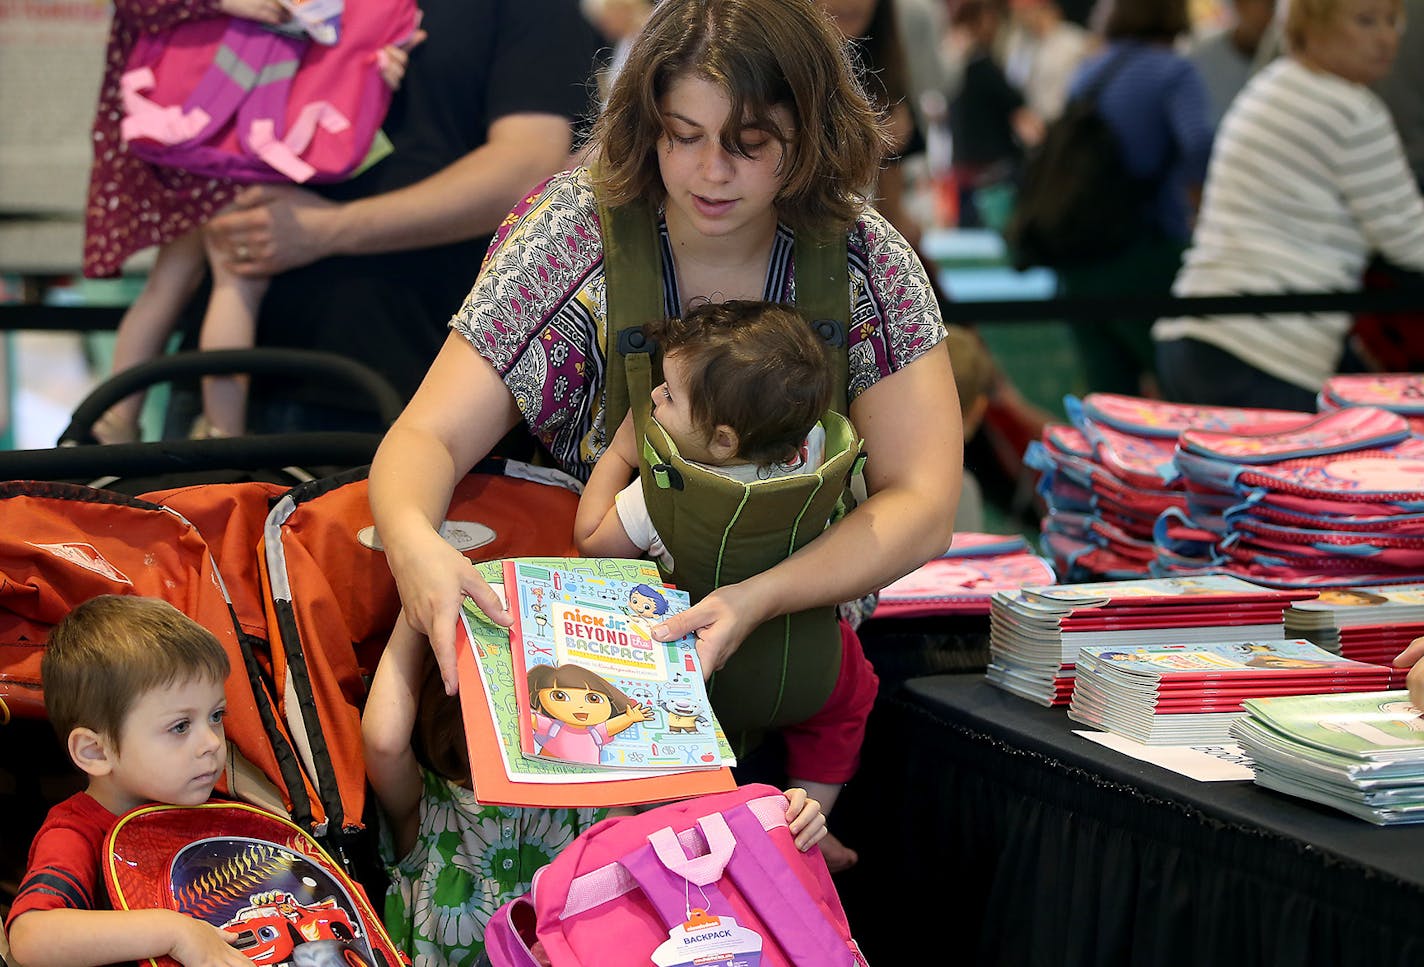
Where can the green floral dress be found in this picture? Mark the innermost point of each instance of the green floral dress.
(467, 862)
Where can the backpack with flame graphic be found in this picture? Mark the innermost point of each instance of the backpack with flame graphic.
(251, 873)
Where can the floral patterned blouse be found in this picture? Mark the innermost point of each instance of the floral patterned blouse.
(468, 861)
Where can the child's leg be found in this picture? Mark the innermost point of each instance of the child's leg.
(823, 752)
(148, 323)
(229, 323)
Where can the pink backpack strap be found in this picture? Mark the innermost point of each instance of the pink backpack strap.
(779, 898)
(612, 880)
(739, 847)
(284, 153)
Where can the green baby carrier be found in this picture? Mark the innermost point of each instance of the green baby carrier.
(718, 530)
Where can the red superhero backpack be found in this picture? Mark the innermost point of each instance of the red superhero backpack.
(251, 873)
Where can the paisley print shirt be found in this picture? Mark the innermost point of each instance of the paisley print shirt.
(538, 313)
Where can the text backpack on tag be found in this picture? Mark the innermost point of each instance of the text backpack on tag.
(627, 886)
(1077, 201)
(250, 873)
(229, 98)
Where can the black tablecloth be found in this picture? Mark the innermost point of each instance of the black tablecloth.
(990, 834)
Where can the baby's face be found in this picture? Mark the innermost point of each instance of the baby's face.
(673, 411)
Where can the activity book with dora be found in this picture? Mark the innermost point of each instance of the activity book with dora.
(576, 704)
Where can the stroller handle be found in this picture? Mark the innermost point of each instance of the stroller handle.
(299, 363)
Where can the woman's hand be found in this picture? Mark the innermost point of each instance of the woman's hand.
(433, 579)
(272, 228)
(721, 621)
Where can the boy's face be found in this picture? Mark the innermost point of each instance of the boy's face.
(673, 412)
(170, 749)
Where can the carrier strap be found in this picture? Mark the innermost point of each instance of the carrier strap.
(632, 274)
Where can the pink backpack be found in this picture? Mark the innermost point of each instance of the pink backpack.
(229, 98)
(705, 868)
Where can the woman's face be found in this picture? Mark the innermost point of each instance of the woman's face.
(1359, 44)
(710, 191)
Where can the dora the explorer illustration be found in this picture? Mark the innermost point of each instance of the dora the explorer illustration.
(1353, 597)
(576, 712)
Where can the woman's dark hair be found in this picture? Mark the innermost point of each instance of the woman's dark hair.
(887, 81)
(1154, 21)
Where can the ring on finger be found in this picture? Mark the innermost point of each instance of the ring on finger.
(242, 253)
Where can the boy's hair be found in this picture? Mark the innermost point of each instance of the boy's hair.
(110, 650)
(573, 676)
(754, 366)
(763, 54)
(1302, 15)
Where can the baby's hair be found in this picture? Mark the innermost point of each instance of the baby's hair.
(111, 650)
(438, 740)
(764, 54)
(648, 591)
(573, 676)
(755, 367)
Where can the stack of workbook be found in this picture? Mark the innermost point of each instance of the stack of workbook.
(961, 580)
(1360, 753)
(1366, 624)
(1035, 633)
(1190, 694)
(576, 704)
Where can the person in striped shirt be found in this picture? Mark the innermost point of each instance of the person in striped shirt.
(1307, 180)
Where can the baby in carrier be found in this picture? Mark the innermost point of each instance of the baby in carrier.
(747, 385)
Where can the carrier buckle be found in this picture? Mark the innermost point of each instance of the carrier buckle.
(830, 331)
(665, 476)
(632, 341)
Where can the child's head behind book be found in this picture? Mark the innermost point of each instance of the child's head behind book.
(745, 382)
(134, 688)
(438, 739)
